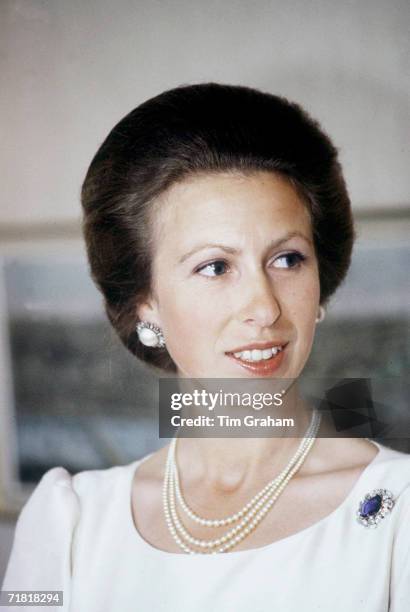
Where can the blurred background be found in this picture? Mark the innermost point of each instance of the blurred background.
(69, 393)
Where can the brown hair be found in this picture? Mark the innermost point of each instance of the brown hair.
(193, 129)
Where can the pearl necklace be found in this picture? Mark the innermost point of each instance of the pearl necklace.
(249, 516)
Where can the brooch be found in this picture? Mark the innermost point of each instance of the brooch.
(374, 507)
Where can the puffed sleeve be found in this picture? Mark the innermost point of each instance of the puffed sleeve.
(41, 555)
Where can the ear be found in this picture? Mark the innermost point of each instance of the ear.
(148, 311)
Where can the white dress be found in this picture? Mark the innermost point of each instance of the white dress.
(76, 534)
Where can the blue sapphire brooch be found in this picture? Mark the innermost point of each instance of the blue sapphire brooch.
(374, 507)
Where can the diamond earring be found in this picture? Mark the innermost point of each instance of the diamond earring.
(322, 314)
(150, 335)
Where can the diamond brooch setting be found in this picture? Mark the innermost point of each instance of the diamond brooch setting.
(374, 507)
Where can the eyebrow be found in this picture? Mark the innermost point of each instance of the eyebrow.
(233, 251)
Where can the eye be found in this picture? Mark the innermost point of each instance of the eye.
(214, 268)
(289, 260)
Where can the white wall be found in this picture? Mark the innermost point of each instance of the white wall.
(70, 69)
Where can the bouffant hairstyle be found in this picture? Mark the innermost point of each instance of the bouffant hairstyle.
(197, 129)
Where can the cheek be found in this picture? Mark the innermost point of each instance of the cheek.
(188, 323)
(301, 303)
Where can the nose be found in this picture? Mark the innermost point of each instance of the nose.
(261, 305)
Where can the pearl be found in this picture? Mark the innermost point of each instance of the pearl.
(253, 512)
(148, 337)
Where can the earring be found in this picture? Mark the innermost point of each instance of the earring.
(321, 315)
(150, 335)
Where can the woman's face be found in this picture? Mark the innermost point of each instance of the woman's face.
(234, 269)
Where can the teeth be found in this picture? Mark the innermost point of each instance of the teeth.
(258, 355)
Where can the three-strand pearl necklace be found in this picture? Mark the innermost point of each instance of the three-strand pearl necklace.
(247, 518)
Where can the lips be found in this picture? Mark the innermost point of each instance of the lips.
(265, 367)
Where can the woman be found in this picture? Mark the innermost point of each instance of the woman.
(218, 226)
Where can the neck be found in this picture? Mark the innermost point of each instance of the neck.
(229, 464)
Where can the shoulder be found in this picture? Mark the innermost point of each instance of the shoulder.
(58, 498)
(389, 469)
(372, 461)
(58, 487)
(53, 496)
(62, 494)
(90, 483)
(392, 465)
(46, 526)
